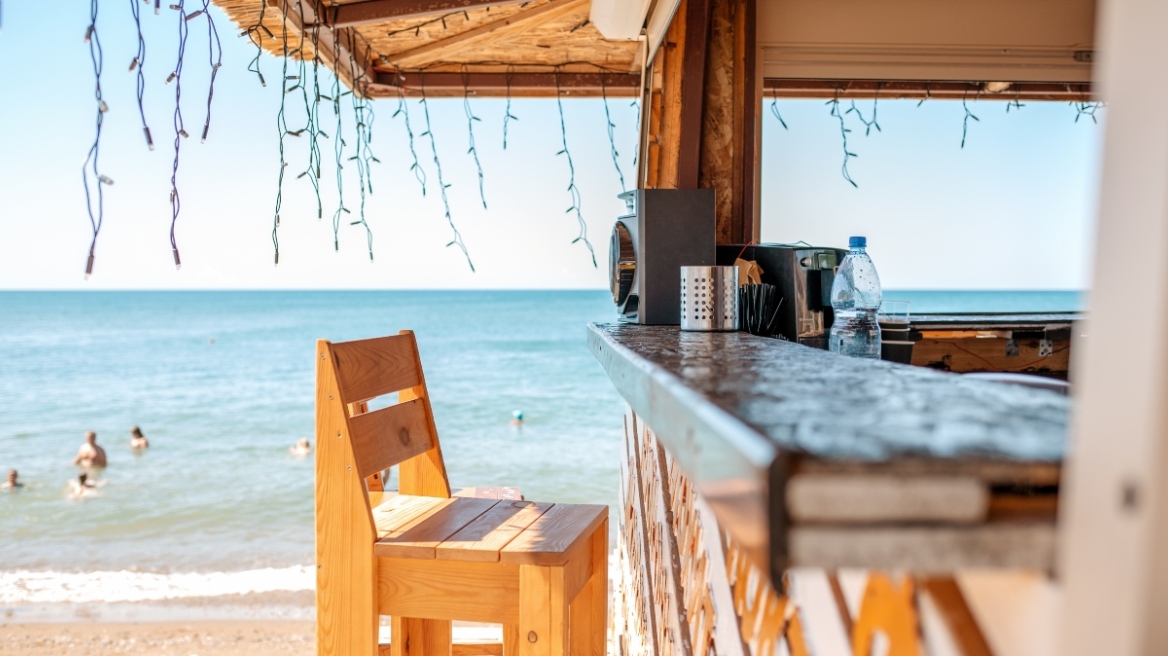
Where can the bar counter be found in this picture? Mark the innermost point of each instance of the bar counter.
(807, 458)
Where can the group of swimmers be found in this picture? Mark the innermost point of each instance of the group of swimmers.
(89, 457)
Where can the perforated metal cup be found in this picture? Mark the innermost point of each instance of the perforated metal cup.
(709, 298)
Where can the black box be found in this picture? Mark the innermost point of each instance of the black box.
(671, 228)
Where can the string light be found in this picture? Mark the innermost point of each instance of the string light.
(1084, 108)
(968, 115)
(90, 165)
(573, 192)
(775, 109)
(1017, 101)
(180, 132)
(338, 150)
(255, 34)
(470, 121)
(215, 58)
(312, 172)
(282, 128)
(868, 125)
(611, 136)
(848, 155)
(507, 115)
(403, 109)
(637, 148)
(363, 117)
(456, 240)
(136, 66)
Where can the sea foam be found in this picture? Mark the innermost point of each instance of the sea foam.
(19, 587)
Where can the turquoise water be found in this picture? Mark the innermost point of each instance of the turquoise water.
(988, 301)
(223, 382)
(218, 489)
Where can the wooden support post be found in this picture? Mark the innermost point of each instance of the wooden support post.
(702, 128)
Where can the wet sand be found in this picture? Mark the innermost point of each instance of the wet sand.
(210, 638)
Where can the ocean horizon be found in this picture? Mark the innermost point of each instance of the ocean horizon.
(222, 383)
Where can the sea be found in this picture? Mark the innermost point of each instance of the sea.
(222, 384)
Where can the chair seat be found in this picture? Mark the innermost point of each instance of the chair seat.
(483, 530)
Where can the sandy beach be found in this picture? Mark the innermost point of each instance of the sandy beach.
(210, 638)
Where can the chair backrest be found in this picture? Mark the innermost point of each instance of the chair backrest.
(367, 442)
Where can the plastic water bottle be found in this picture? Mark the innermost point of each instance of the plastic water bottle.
(855, 297)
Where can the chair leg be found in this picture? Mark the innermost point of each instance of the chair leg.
(598, 645)
(543, 611)
(510, 640)
(588, 628)
(415, 637)
(580, 627)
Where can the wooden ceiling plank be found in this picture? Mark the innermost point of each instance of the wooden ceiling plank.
(514, 24)
(379, 11)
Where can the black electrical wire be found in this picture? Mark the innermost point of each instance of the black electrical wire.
(573, 192)
(90, 165)
(775, 110)
(470, 121)
(456, 240)
(255, 34)
(848, 155)
(282, 129)
(338, 150)
(868, 124)
(507, 115)
(363, 118)
(611, 135)
(215, 57)
(312, 172)
(180, 132)
(404, 110)
(968, 115)
(137, 66)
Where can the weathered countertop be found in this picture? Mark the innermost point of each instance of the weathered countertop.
(743, 414)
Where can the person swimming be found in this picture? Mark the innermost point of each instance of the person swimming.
(90, 454)
(301, 448)
(517, 418)
(12, 483)
(138, 441)
(82, 487)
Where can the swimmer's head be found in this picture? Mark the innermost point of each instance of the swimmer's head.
(136, 432)
(517, 415)
(90, 437)
(302, 443)
(12, 475)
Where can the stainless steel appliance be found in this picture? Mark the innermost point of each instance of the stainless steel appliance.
(666, 230)
(804, 275)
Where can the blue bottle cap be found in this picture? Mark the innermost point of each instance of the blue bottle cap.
(857, 242)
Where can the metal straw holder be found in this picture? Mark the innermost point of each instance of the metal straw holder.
(709, 298)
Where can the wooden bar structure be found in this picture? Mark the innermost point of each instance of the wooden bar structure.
(758, 516)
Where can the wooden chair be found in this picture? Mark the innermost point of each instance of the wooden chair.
(426, 558)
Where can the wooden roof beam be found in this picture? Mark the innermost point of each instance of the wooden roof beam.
(379, 11)
(509, 26)
(340, 59)
(920, 89)
(541, 84)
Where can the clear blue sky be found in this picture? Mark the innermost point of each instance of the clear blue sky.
(1014, 209)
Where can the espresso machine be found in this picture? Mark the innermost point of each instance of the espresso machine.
(804, 275)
